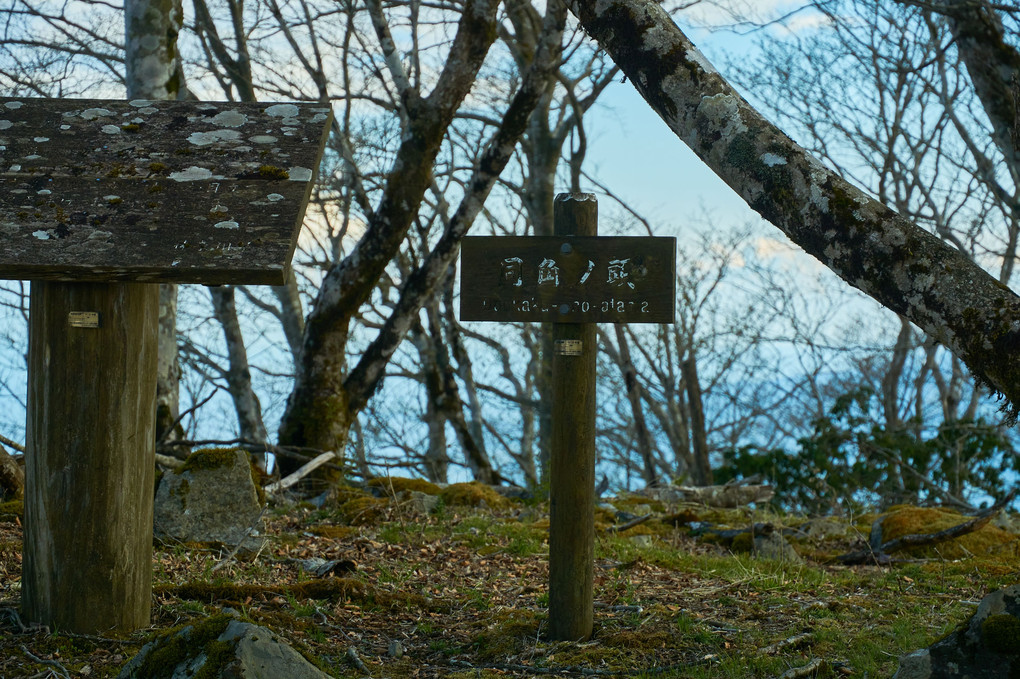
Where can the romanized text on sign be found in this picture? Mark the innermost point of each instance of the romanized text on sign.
(568, 279)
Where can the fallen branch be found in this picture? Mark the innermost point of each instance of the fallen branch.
(305, 470)
(789, 642)
(630, 524)
(169, 461)
(61, 670)
(880, 555)
(803, 671)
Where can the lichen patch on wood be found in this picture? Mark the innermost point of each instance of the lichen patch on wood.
(175, 184)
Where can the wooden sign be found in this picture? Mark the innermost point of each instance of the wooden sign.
(188, 192)
(568, 279)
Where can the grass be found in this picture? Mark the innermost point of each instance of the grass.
(464, 592)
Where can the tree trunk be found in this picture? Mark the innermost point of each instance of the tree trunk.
(320, 410)
(168, 377)
(238, 374)
(323, 403)
(702, 470)
(642, 437)
(867, 244)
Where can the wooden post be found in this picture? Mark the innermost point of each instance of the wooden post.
(572, 458)
(100, 198)
(91, 435)
(573, 279)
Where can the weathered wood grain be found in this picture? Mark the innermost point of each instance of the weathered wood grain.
(572, 453)
(89, 476)
(191, 192)
(568, 279)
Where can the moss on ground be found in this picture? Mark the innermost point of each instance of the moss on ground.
(393, 485)
(908, 520)
(473, 494)
(12, 510)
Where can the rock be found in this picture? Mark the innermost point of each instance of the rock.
(220, 648)
(987, 647)
(418, 502)
(774, 546)
(825, 527)
(212, 498)
(642, 540)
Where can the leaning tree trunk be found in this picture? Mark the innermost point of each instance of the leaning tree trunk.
(867, 244)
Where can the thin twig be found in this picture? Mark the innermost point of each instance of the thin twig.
(180, 418)
(50, 663)
(803, 671)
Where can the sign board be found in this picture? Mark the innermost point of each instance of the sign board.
(188, 192)
(568, 279)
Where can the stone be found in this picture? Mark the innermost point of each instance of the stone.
(774, 546)
(825, 527)
(418, 502)
(220, 648)
(986, 647)
(642, 540)
(212, 498)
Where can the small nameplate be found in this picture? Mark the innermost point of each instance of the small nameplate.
(569, 347)
(83, 319)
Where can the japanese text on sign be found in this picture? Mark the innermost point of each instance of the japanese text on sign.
(569, 279)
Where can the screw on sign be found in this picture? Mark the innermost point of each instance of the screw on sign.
(98, 201)
(574, 279)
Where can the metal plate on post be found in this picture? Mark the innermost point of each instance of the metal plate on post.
(151, 191)
(565, 347)
(570, 279)
(83, 319)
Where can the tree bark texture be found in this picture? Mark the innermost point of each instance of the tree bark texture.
(89, 474)
(154, 72)
(866, 243)
(994, 68)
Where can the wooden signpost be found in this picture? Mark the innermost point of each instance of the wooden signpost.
(573, 279)
(99, 199)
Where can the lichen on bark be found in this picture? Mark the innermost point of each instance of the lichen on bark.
(866, 243)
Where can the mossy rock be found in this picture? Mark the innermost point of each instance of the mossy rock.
(394, 485)
(1001, 633)
(362, 511)
(908, 520)
(473, 494)
(215, 458)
